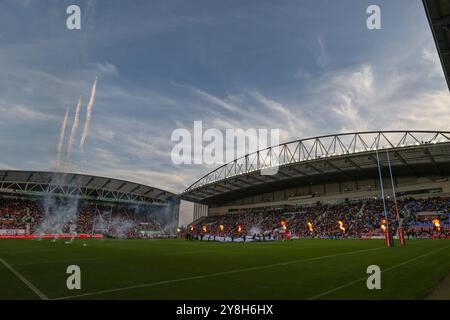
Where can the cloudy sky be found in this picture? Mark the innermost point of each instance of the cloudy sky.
(306, 67)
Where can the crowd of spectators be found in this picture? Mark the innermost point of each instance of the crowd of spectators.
(16, 213)
(349, 219)
(111, 220)
(357, 218)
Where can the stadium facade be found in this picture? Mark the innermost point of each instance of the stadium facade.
(329, 169)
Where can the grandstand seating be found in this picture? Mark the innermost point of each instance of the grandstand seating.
(110, 220)
(360, 219)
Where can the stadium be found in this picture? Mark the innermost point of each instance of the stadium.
(300, 220)
(248, 226)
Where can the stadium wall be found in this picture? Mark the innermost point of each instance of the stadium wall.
(191, 211)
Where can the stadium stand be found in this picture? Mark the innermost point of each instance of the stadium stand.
(327, 179)
(109, 220)
(361, 219)
(34, 203)
(325, 186)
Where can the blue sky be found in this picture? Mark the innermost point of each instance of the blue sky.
(305, 67)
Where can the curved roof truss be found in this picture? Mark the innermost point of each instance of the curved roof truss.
(79, 185)
(324, 149)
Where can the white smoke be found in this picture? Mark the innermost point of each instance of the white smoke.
(101, 221)
(59, 215)
(73, 131)
(121, 224)
(89, 108)
(255, 230)
(61, 140)
(117, 226)
(120, 227)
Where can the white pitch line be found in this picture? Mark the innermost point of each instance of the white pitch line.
(24, 280)
(348, 284)
(210, 275)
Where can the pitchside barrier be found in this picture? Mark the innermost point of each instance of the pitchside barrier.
(52, 236)
(238, 239)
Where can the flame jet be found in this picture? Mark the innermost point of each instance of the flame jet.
(383, 225)
(341, 226)
(437, 224)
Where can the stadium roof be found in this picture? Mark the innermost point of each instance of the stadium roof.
(438, 13)
(325, 159)
(86, 186)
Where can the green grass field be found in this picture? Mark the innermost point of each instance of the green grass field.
(176, 269)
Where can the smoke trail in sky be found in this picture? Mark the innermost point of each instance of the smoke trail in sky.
(61, 140)
(89, 108)
(73, 131)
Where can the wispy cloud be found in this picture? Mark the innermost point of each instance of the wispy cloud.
(21, 113)
(322, 58)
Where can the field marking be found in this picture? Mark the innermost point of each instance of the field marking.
(24, 280)
(211, 275)
(348, 284)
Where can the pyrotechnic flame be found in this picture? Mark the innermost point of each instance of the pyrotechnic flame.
(204, 228)
(178, 230)
(191, 228)
(310, 227)
(283, 225)
(239, 228)
(221, 227)
(383, 225)
(341, 226)
(437, 224)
